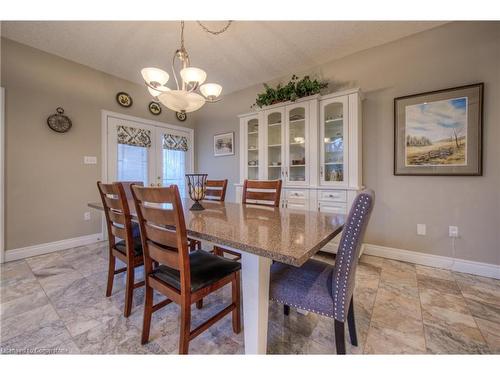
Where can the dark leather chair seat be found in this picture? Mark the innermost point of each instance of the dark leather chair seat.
(120, 246)
(205, 269)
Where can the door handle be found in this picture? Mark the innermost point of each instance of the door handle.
(321, 171)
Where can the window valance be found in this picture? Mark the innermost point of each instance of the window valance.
(134, 136)
(175, 142)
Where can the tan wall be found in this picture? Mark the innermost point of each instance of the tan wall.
(47, 184)
(452, 55)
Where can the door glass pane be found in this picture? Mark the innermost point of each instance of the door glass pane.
(174, 169)
(253, 149)
(274, 127)
(132, 163)
(297, 139)
(334, 142)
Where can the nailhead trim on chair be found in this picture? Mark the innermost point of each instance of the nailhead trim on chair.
(343, 277)
(301, 307)
(351, 233)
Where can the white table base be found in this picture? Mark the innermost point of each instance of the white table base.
(255, 275)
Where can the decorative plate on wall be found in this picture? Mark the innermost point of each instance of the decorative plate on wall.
(124, 99)
(181, 116)
(154, 108)
(58, 122)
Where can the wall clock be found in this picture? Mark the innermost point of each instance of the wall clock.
(181, 116)
(124, 99)
(154, 108)
(58, 122)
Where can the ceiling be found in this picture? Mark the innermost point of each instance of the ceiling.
(248, 53)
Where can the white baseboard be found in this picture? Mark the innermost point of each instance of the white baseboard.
(45, 248)
(459, 265)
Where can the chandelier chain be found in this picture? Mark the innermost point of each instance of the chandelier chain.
(182, 34)
(215, 32)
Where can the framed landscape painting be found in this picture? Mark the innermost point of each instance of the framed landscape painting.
(224, 144)
(439, 133)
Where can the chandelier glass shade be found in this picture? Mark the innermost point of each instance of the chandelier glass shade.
(181, 101)
(185, 97)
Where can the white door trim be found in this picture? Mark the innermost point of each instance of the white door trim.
(105, 114)
(2, 173)
(104, 122)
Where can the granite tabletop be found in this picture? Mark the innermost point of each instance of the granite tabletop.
(285, 235)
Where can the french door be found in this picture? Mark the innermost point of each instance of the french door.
(157, 155)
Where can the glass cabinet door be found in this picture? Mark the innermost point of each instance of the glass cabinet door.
(333, 141)
(253, 149)
(296, 169)
(274, 144)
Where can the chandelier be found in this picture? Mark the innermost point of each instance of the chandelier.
(185, 97)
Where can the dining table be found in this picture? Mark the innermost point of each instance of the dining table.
(262, 235)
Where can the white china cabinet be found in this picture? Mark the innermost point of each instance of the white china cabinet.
(251, 154)
(312, 144)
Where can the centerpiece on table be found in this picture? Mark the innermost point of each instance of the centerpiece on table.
(197, 187)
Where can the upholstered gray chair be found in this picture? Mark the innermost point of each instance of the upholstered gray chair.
(324, 289)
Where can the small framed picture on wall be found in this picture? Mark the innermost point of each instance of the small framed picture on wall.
(439, 133)
(224, 144)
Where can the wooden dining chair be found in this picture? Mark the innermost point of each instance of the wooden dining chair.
(183, 277)
(256, 192)
(127, 187)
(124, 239)
(324, 289)
(264, 193)
(216, 191)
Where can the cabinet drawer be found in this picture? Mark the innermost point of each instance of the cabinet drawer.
(335, 208)
(297, 194)
(297, 205)
(333, 195)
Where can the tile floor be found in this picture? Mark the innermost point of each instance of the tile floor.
(55, 303)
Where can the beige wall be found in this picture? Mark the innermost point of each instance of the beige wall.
(47, 184)
(452, 55)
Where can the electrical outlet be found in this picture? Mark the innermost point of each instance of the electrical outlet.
(90, 160)
(453, 231)
(86, 216)
(421, 229)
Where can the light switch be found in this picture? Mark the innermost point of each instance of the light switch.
(453, 231)
(90, 160)
(421, 229)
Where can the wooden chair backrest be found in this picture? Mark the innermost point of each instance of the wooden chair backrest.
(267, 193)
(127, 186)
(216, 190)
(163, 229)
(117, 212)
